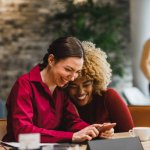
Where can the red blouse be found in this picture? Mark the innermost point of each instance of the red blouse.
(33, 109)
(107, 108)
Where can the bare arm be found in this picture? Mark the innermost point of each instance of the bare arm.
(145, 60)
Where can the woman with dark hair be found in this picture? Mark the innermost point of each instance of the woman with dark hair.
(38, 104)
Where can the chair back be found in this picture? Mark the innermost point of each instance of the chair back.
(3, 124)
(140, 115)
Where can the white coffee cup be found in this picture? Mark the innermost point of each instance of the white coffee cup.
(142, 132)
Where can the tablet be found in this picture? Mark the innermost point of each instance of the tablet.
(131, 143)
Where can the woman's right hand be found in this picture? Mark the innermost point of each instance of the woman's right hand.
(93, 131)
(87, 133)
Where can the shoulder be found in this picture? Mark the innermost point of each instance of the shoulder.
(23, 78)
(108, 94)
(111, 95)
(147, 42)
(146, 47)
(32, 76)
(22, 82)
(111, 92)
(20, 88)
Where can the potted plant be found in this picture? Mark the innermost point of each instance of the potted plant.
(103, 24)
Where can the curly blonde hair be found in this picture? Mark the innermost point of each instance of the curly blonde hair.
(96, 67)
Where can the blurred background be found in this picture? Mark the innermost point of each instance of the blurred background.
(118, 27)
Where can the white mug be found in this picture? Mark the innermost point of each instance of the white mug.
(142, 132)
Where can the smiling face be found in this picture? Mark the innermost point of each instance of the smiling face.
(65, 70)
(81, 91)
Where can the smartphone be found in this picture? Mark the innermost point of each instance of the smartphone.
(106, 126)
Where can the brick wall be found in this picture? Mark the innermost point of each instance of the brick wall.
(24, 36)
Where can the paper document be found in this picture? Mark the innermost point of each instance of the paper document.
(17, 145)
(52, 145)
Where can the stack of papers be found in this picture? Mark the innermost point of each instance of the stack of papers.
(45, 146)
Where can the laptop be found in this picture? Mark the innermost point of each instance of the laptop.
(131, 143)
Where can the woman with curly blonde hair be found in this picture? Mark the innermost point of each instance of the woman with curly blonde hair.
(94, 101)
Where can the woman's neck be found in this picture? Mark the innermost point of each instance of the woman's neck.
(47, 78)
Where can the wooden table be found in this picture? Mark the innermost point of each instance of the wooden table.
(146, 145)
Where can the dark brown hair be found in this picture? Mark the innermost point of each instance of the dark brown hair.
(62, 48)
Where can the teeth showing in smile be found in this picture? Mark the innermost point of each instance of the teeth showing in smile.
(81, 97)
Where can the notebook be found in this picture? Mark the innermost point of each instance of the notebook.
(131, 143)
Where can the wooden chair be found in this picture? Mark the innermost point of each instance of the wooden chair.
(3, 124)
(140, 115)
